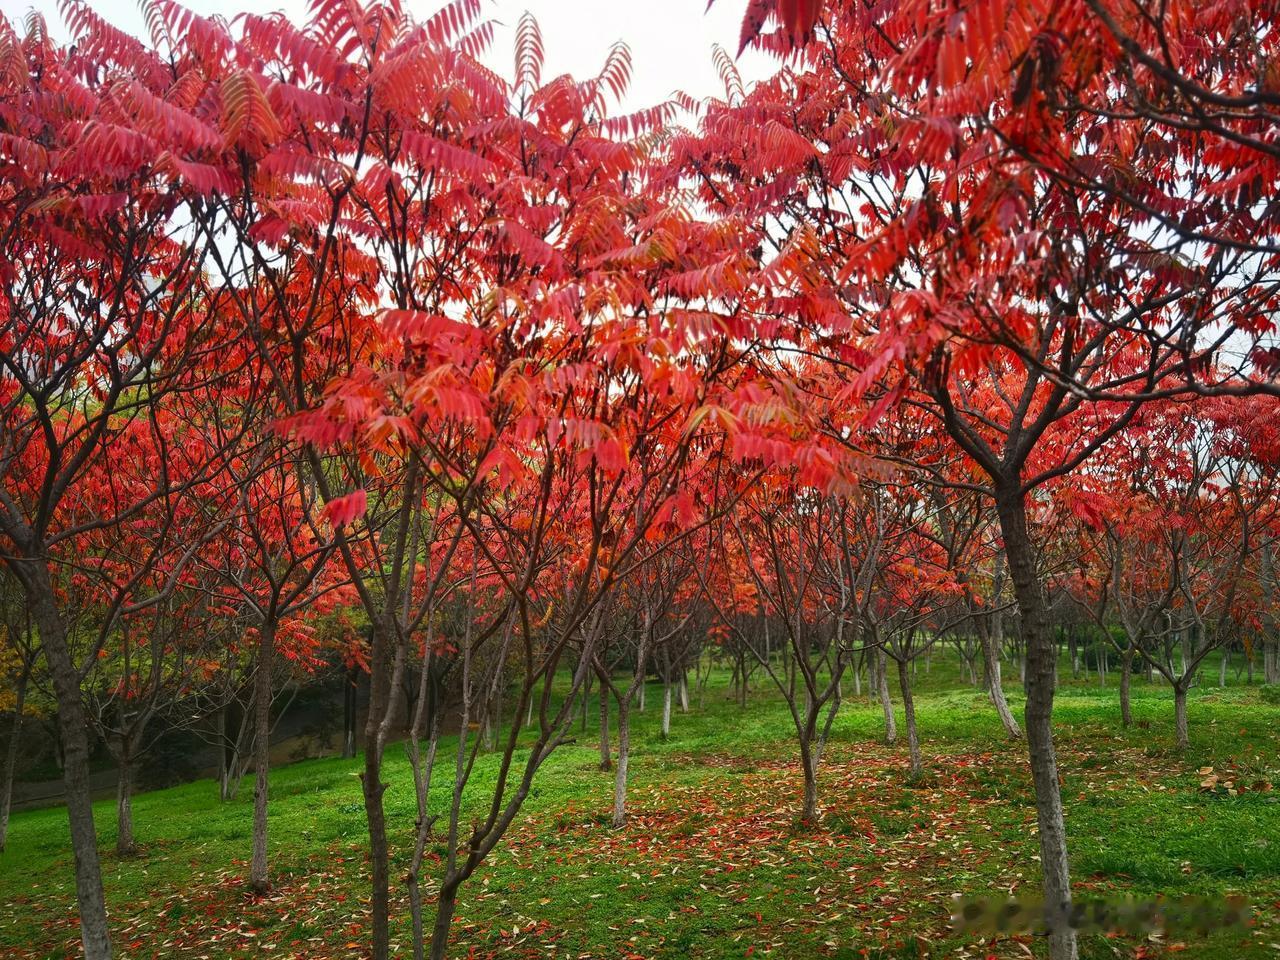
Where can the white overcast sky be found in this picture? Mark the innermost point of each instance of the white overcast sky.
(670, 40)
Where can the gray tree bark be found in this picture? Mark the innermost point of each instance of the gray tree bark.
(11, 756)
(94, 932)
(909, 709)
(991, 640)
(259, 880)
(1040, 655)
(126, 846)
(886, 704)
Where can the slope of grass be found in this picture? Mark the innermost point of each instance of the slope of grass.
(713, 862)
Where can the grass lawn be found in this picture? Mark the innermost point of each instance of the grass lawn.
(713, 862)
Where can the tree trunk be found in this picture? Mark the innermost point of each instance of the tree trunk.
(125, 845)
(11, 757)
(350, 691)
(259, 882)
(606, 761)
(73, 735)
(373, 789)
(808, 762)
(995, 684)
(1040, 653)
(684, 691)
(220, 734)
(423, 772)
(741, 688)
(494, 718)
(1222, 667)
(1126, 675)
(886, 704)
(624, 758)
(909, 708)
(666, 711)
(231, 762)
(1180, 713)
(446, 903)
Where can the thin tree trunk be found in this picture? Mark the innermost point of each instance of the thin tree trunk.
(909, 708)
(495, 726)
(1126, 676)
(995, 683)
(11, 756)
(606, 761)
(808, 763)
(1180, 714)
(886, 704)
(1040, 653)
(422, 782)
(422, 777)
(220, 733)
(624, 759)
(259, 881)
(373, 789)
(666, 710)
(350, 691)
(624, 722)
(233, 758)
(684, 690)
(94, 933)
(446, 904)
(125, 844)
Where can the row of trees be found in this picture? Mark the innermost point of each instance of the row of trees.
(327, 336)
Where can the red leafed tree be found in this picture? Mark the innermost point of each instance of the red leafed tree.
(274, 565)
(1173, 529)
(969, 215)
(464, 295)
(806, 563)
(155, 652)
(103, 336)
(648, 616)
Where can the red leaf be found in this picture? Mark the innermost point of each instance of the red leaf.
(344, 510)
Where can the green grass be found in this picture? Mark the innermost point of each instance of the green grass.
(714, 862)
